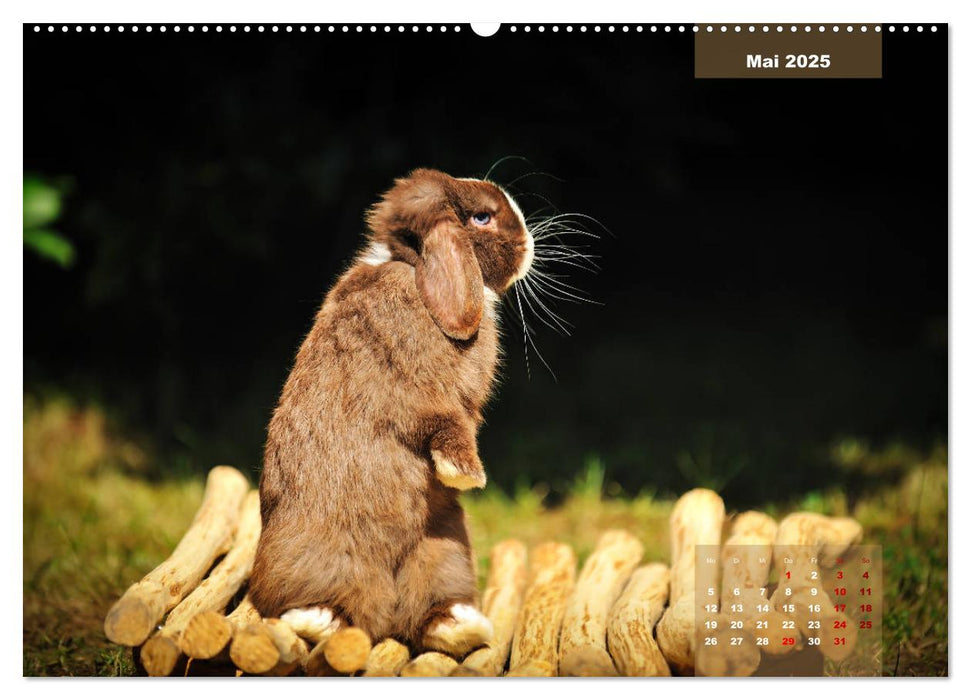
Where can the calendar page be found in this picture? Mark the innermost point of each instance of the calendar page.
(812, 614)
(423, 347)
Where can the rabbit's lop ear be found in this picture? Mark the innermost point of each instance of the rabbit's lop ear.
(449, 280)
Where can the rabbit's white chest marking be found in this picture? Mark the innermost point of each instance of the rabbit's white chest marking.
(376, 254)
(491, 301)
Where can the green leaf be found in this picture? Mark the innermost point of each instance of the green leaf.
(50, 244)
(42, 203)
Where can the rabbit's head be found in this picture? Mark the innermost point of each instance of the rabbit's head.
(466, 239)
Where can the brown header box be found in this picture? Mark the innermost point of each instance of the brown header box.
(788, 54)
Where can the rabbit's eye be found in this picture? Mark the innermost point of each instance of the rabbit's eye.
(482, 218)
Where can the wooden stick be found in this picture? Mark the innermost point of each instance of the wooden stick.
(431, 663)
(465, 671)
(746, 556)
(133, 617)
(207, 631)
(253, 649)
(316, 663)
(535, 642)
(675, 634)
(532, 669)
(723, 659)
(804, 544)
(501, 603)
(829, 632)
(746, 560)
(292, 649)
(347, 649)
(387, 658)
(630, 625)
(194, 627)
(159, 655)
(583, 638)
(244, 614)
(832, 624)
(207, 636)
(806, 541)
(697, 519)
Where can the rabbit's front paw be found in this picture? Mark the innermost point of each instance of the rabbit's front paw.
(457, 476)
(458, 633)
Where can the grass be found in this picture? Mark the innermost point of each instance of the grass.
(94, 522)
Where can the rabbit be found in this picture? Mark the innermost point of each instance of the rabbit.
(374, 435)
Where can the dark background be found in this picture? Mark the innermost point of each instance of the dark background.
(774, 280)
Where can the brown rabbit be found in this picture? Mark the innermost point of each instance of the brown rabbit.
(375, 431)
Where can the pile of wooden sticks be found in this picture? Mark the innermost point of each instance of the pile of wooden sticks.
(611, 618)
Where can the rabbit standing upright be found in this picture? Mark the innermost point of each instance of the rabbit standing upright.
(375, 431)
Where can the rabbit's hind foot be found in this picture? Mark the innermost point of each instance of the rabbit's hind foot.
(458, 632)
(315, 624)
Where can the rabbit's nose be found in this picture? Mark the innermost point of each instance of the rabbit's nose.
(527, 260)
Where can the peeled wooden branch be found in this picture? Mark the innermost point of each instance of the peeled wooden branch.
(244, 614)
(535, 642)
(723, 659)
(431, 663)
(531, 669)
(746, 560)
(205, 635)
(805, 544)
(253, 649)
(133, 617)
(806, 541)
(194, 627)
(266, 647)
(753, 523)
(159, 656)
(832, 624)
(746, 556)
(291, 648)
(501, 603)
(675, 634)
(744, 610)
(583, 636)
(347, 649)
(461, 671)
(630, 625)
(344, 652)
(387, 658)
(697, 519)
(204, 639)
(316, 664)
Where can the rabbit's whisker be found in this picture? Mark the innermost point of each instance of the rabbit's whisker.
(555, 294)
(558, 230)
(519, 302)
(569, 258)
(561, 324)
(503, 160)
(535, 172)
(552, 282)
(528, 339)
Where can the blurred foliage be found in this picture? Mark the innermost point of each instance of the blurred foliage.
(42, 207)
(93, 524)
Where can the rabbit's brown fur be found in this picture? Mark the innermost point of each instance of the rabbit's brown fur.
(398, 365)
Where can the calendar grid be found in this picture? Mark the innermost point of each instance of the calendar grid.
(788, 610)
